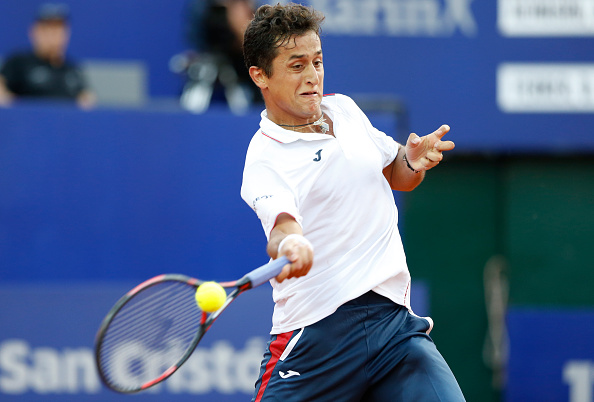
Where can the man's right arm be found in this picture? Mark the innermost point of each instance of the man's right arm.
(286, 238)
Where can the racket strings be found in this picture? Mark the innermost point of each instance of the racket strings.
(143, 305)
(149, 334)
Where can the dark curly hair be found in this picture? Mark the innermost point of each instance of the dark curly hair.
(273, 27)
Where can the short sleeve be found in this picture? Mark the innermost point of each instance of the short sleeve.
(265, 191)
(387, 146)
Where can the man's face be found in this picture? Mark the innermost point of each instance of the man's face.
(293, 92)
(50, 38)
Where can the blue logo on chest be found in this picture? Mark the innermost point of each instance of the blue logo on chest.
(318, 157)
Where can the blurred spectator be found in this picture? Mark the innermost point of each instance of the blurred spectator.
(44, 71)
(216, 68)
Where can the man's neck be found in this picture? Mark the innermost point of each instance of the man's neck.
(55, 59)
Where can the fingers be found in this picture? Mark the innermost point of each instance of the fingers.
(430, 161)
(413, 140)
(424, 153)
(441, 131)
(293, 270)
(440, 146)
(286, 271)
(301, 257)
(444, 146)
(434, 156)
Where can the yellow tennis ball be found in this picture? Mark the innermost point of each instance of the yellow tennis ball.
(210, 296)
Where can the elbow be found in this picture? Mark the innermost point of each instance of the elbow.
(408, 185)
(407, 188)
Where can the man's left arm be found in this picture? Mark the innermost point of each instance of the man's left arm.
(419, 154)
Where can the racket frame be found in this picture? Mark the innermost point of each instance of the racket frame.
(249, 281)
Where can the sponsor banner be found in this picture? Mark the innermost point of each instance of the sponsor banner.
(546, 17)
(551, 355)
(439, 58)
(48, 334)
(545, 88)
(47, 340)
(421, 18)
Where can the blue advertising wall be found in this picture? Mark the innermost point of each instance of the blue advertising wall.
(551, 355)
(46, 346)
(506, 75)
(126, 194)
(48, 330)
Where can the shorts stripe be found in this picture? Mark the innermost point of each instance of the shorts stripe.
(291, 345)
(276, 349)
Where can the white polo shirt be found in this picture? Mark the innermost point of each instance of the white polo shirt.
(335, 189)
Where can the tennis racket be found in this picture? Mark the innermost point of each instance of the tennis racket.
(154, 328)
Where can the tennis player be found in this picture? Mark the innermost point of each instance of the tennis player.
(320, 178)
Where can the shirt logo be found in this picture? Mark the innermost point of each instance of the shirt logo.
(318, 157)
(264, 197)
(289, 373)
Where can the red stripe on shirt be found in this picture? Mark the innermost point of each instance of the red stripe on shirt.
(277, 347)
(266, 135)
(406, 294)
(276, 219)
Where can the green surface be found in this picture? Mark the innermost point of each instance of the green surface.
(550, 235)
(536, 212)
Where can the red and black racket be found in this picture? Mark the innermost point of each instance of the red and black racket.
(154, 328)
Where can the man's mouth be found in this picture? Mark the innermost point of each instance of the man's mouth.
(310, 93)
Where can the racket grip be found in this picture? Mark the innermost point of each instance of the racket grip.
(266, 272)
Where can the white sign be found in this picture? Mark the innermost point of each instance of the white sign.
(47, 370)
(545, 88)
(579, 375)
(397, 17)
(546, 18)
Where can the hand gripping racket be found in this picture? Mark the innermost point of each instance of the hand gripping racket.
(154, 328)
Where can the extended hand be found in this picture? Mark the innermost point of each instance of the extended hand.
(424, 153)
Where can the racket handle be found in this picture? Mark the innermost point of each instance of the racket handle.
(266, 272)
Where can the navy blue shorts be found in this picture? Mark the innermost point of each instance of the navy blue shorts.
(370, 349)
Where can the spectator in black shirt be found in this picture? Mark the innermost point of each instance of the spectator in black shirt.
(44, 72)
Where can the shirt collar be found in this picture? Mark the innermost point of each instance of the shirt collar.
(284, 136)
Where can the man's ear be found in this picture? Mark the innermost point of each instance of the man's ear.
(259, 77)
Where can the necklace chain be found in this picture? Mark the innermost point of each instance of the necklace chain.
(320, 122)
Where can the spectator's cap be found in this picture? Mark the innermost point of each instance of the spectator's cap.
(53, 12)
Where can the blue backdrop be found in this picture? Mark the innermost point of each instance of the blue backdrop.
(441, 56)
(113, 194)
(126, 194)
(551, 355)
